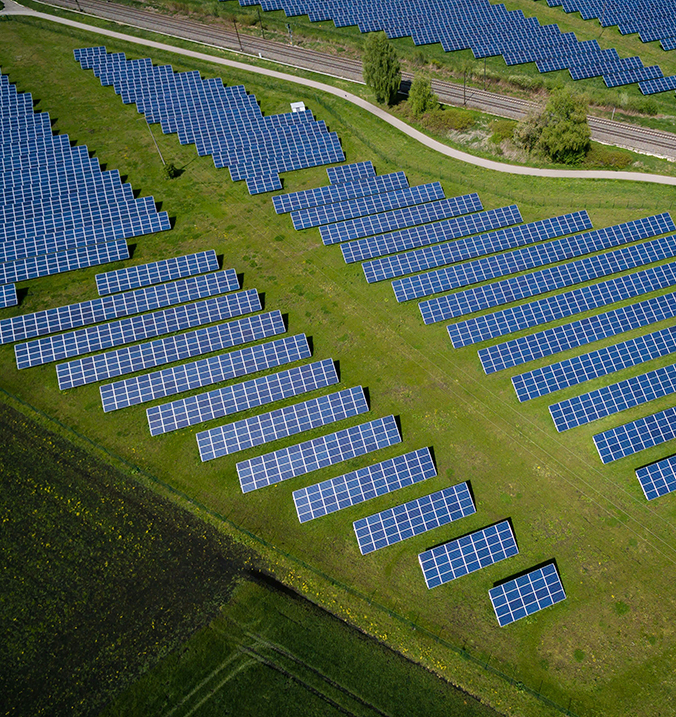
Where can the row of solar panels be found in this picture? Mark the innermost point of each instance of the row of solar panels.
(326, 203)
(224, 122)
(487, 29)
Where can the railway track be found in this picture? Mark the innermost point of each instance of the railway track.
(619, 134)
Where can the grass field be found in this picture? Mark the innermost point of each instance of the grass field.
(607, 648)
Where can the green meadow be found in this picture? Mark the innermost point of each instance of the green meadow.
(607, 648)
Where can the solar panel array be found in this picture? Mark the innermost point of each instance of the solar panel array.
(281, 423)
(492, 267)
(307, 198)
(430, 234)
(594, 364)
(561, 305)
(134, 328)
(242, 396)
(58, 210)
(489, 29)
(430, 257)
(400, 218)
(85, 313)
(540, 282)
(611, 399)
(527, 594)
(371, 204)
(8, 296)
(198, 374)
(467, 554)
(317, 453)
(351, 172)
(157, 272)
(658, 478)
(224, 122)
(155, 353)
(363, 484)
(413, 518)
(636, 436)
(578, 333)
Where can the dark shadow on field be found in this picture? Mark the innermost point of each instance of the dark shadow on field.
(397, 420)
(21, 294)
(261, 296)
(240, 276)
(367, 394)
(132, 249)
(434, 458)
(525, 571)
(336, 364)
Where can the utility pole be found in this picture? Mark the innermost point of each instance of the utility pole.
(239, 39)
(288, 27)
(260, 20)
(484, 73)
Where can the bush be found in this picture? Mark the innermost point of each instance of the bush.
(502, 129)
(525, 82)
(608, 157)
(421, 99)
(445, 119)
(643, 105)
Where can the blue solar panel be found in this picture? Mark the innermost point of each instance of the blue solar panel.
(8, 296)
(527, 594)
(363, 484)
(262, 183)
(658, 478)
(307, 198)
(155, 353)
(636, 436)
(388, 221)
(351, 172)
(157, 272)
(540, 282)
(557, 307)
(169, 381)
(662, 84)
(592, 365)
(241, 397)
(113, 307)
(413, 518)
(491, 267)
(578, 333)
(281, 423)
(317, 453)
(612, 399)
(472, 552)
(629, 77)
(430, 234)
(430, 257)
(125, 331)
(372, 204)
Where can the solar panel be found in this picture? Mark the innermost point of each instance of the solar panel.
(413, 518)
(430, 234)
(467, 554)
(8, 296)
(594, 364)
(112, 307)
(80, 258)
(205, 372)
(262, 183)
(283, 422)
(662, 84)
(307, 198)
(578, 333)
(636, 436)
(317, 453)
(372, 204)
(399, 218)
(545, 280)
(561, 305)
(389, 267)
(628, 77)
(363, 484)
(155, 353)
(351, 172)
(157, 272)
(612, 399)
(241, 397)
(473, 272)
(658, 478)
(125, 331)
(527, 594)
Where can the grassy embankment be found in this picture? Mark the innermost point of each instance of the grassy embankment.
(607, 648)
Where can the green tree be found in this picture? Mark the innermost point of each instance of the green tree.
(420, 97)
(566, 135)
(382, 72)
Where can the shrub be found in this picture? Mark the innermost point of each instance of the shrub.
(421, 99)
(600, 156)
(525, 82)
(502, 129)
(445, 119)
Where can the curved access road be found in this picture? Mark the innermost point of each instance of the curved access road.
(13, 8)
(606, 131)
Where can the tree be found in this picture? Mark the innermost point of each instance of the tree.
(566, 135)
(560, 131)
(420, 97)
(382, 72)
